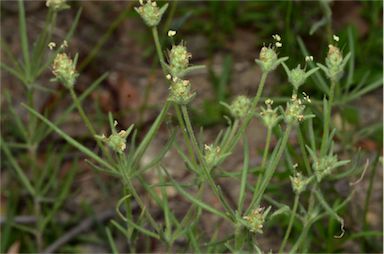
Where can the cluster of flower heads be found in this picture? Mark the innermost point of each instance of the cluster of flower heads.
(255, 220)
(150, 12)
(178, 59)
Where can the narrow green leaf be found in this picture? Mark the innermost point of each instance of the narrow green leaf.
(70, 140)
(244, 175)
(195, 200)
(24, 37)
(20, 173)
(111, 241)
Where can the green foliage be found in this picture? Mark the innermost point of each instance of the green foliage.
(310, 166)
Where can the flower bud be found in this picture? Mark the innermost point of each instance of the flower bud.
(298, 75)
(180, 92)
(64, 70)
(57, 5)
(178, 59)
(299, 182)
(269, 116)
(212, 155)
(151, 13)
(240, 107)
(256, 219)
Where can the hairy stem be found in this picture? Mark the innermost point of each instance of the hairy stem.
(291, 220)
(327, 119)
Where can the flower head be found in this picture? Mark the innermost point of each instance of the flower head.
(298, 76)
(294, 110)
(256, 219)
(212, 155)
(240, 107)
(57, 5)
(181, 92)
(150, 12)
(324, 165)
(334, 63)
(117, 140)
(64, 69)
(299, 182)
(268, 60)
(178, 59)
(269, 116)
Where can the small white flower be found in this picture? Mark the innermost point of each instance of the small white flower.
(169, 77)
(276, 37)
(64, 45)
(278, 44)
(309, 58)
(51, 45)
(268, 101)
(336, 38)
(171, 33)
(141, 2)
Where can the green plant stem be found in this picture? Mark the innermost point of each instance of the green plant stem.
(269, 171)
(87, 122)
(158, 48)
(232, 133)
(140, 202)
(208, 176)
(248, 119)
(291, 220)
(264, 159)
(301, 238)
(266, 149)
(327, 119)
(82, 113)
(151, 133)
(185, 134)
(369, 191)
